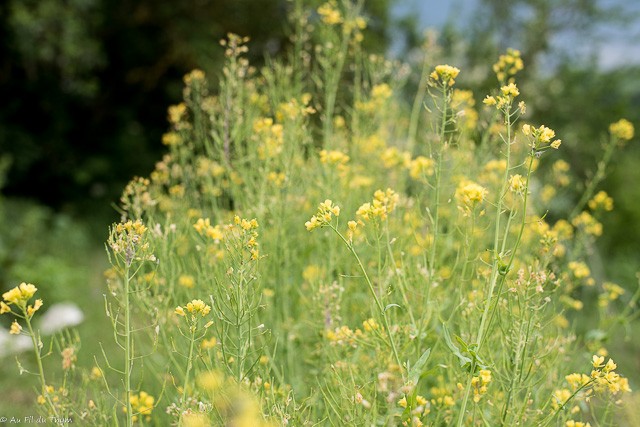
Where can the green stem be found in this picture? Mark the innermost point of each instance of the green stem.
(383, 313)
(36, 348)
(127, 346)
(599, 176)
(436, 216)
(189, 364)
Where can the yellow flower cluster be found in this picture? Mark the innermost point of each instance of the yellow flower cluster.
(175, 113)
(517, 183)
(330, 14)
(480, 383)
(601, 201)
(611, 293)
(326, 211)
(421, 167)
(333, 157)
(19, 296)
(605, 376)
(248, 229)
(469, 194)
(204, 228)
(383, 203)
(380, 93)
(588, 224)
(392, 157)
(580, 269)
(572, 423)
(126, 240)
(445, 74)
(508, 65)
(622, 129)
(343, 335)
(270, 136)
(541, 135)
(294, 109)
(195, 307)
(462, 101)
(509, 93)
(171, 139)
(141, 404)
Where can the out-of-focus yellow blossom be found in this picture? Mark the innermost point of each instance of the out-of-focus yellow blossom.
(175, 113)
(601, 201)
(15, 328)
(508, 65)
(588, 224)
(392, 157)
(469, 195)
(517, 183)
(421, 167)
(270, 137)
(480, 384)
(186, 281)
(171, 139)
(330, 14)
(462, 102)
(141, 404)
(572, 423)
(579, 269)
(333, 157)
(622, 129)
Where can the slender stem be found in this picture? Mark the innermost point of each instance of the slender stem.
(436, 216)
(127, 346)
(599, 176)
(467, 391)
(36, 348)
(189, 364)
(496, 241)
(383, 313)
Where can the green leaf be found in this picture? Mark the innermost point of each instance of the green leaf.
(389, 306)
(415, 371)
(464, 360)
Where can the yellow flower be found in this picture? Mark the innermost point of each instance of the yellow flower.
(15, 328)
(326, 211)
(20, 294)
(420, 167)
(329, 14)
(4, 308)
(597, 361)
(402, 402)
(601, 201)
(180, 311)
(197, 306)
(510, 90)
(489, 100)
(508, 65)
(622, 129)
(383, 203)
(445, 73)
(142, 404)
(186, 281)
(517, 183)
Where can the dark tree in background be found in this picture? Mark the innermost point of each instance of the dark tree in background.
(85, 84)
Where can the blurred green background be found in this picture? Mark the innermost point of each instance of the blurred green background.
(85, 85)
